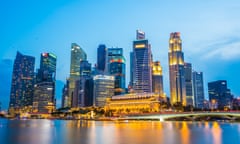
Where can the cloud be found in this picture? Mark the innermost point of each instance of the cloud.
(225, 49)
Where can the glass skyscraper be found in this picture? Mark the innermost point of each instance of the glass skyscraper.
(198, 89)
(101, 58)
(176, 70)
(22, 82)
(103, 89)
(142, 60)
(77, 55)
(157, 79)
(219, 94)
(82, 90)
(44, 88)
(116, 67)
(188, 83)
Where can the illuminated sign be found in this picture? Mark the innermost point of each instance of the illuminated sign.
(140, 46)
(52, 55)
(45, 54)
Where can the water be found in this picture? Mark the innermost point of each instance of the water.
(43, 131)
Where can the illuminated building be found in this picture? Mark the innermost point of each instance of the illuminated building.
(157, 78)
(116, 67)
(77, 55)
(101, 58)
(188, 83)
(133, 103)
(22, 82)
(198, 89)
(176, 70)
(103, 88)
(142, 59)
(219, 94)
(44, 88)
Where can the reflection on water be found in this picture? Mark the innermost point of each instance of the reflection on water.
(185, 134)
(110, 132)
(217, 133)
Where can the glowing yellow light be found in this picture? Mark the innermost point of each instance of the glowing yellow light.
(140, 46)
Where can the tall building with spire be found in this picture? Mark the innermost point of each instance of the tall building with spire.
(142, 60)
(176, 70)
(22, 82)
(77, 55)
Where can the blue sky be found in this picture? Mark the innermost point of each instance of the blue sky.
(210, 31)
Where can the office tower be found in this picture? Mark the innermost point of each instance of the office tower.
(219, 94)
(101, 58)
(157, 78)
(65, 95)
(82, 90)
(103, 89)
(22, 82)
(198, 89)
(77, 55)
(188, 83)
(176, 70)
(116, 67)
(130, 86)
(88, 92)
(44, 88)
(142, 70)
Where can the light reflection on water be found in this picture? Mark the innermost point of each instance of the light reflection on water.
(111, 132)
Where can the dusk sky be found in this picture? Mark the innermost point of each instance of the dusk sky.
(210, 32)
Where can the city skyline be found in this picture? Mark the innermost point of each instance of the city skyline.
(215, 50)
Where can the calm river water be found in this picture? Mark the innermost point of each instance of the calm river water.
(110, 132)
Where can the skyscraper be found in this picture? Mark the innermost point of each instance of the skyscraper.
(116, 68)
(219, 94)
(198, 89)
(188, 83)
(44, 88)
(82, 90)
(142, 59)
(22, 82)
(176, 70)
(131, 71)
(101, 58)
(103, 89)
(77, 55)
(157, 78)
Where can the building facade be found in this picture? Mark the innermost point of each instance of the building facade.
(142, 60)
(134, 103)
(188, 83)
(157, 79)
(44, 88)
(101, 58)
(116, 67)
(198, 89)
(77, 55)
(103, 89)
(21, 94)
(219, 94)
(176, 70)
(84, 89)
